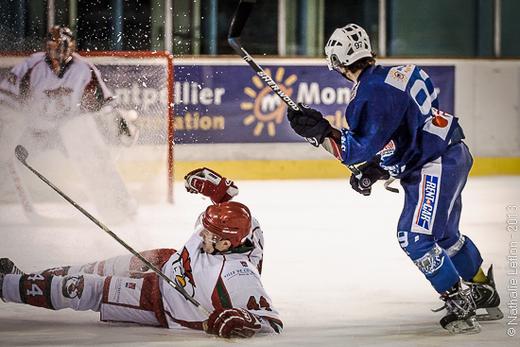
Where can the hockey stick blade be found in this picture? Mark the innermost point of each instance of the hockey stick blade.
(22, 154)
(240, 18)
(388, 183)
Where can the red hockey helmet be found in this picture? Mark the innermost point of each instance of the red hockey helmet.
(229, 220)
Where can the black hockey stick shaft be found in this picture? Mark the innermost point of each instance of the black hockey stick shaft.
(235, 30)
(22, 154)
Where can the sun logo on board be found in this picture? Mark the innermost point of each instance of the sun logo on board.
(267, 109)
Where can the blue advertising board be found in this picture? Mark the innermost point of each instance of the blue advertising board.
(230, 104)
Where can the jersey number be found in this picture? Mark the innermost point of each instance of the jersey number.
(35, 290)
(418, 86)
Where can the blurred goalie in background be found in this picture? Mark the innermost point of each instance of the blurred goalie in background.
(57, 100)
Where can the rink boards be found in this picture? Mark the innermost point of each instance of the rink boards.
(225, 117)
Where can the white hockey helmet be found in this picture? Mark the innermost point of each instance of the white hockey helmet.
(347, 45)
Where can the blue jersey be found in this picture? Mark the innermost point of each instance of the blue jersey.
(394, 112)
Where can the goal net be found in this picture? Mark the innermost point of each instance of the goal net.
(140, 81)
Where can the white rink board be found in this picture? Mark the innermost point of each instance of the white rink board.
(333, 267)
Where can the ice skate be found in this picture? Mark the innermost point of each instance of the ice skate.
(1, 285)
(7, 267)
(460, 317)
(486, 297)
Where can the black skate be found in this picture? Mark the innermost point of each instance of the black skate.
(460, 317)
(486, 297)
(7, 267)
(1, 285)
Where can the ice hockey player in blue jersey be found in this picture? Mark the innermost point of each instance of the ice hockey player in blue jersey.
(396, 130)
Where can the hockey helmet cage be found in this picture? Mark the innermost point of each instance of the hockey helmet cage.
(229, 220)
(65, 43)
(347, 45)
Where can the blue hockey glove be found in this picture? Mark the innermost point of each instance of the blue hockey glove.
(309, 123)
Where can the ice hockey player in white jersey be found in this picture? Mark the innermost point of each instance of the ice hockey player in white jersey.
(219, 267)
(51, 100)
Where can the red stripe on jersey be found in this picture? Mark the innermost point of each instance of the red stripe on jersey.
(25, 86)
(93, 98)
(35, 290)
(106, 288)
(158, 257)
(151, 297)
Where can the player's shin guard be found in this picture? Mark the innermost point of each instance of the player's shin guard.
(438, 269)
(78, 292)
(465, 257)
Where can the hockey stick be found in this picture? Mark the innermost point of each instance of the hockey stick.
(22, 154)
(235, 30)
(388, 183)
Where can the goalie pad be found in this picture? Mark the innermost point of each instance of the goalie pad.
(211, 184)
(90, 156)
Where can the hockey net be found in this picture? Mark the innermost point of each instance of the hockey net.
(141, 81)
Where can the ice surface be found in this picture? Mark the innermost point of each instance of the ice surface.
(333, 267)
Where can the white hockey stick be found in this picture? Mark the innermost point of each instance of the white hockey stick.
(22, 154)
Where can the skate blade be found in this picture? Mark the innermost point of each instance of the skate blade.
(469, 326)
(493, 313)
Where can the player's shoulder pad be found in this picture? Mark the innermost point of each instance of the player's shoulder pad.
(83, 62)
(399, 76)
(35, 58)
(28, 63)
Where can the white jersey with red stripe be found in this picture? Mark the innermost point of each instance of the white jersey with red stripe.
(225, 280)
(47, 97)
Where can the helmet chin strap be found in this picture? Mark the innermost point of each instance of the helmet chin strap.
(344, 75)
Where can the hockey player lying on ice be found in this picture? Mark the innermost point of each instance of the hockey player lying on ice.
(219, 266)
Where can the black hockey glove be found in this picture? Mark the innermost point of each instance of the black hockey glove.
(309, 123)
(371, 172)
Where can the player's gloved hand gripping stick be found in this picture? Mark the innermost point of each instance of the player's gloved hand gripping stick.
(301, 114)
